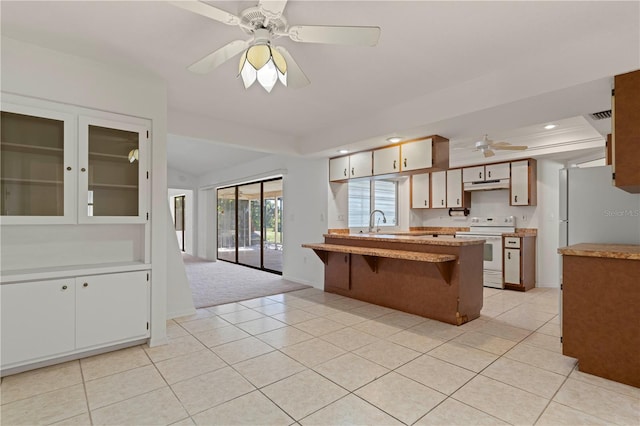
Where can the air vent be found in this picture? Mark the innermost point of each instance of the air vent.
(601, 115)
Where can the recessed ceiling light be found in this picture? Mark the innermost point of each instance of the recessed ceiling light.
(343, 151)
(550, 126)
(394, 139)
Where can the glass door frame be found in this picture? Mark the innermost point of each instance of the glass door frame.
(262, 227)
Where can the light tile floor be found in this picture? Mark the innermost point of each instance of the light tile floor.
(313, 358)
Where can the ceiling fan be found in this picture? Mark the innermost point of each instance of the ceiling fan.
(264, 23)
(487, 146)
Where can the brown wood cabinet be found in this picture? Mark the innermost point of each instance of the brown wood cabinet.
(626, 132)
(519, 262)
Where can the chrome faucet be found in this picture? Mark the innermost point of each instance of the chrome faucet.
(373, 213)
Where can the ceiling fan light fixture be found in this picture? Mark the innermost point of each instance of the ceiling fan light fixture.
(261, 62)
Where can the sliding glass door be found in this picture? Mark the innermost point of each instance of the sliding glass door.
(250, 224)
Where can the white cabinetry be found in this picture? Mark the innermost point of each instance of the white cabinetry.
(439, 190)
(53, 174)
(420, 191)
(523, 183)
(111, 308)
(497, 171)
(473, 174)
(417, 155)
(455, 194)
(360, 164)
(339, 169)
(43, 320)
(512, 266)
(386, 160)
(38, 320)
(485, 173)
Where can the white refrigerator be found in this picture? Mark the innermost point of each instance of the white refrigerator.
(592, 210)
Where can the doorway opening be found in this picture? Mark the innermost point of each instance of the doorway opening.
(181, 206)
(249, 222)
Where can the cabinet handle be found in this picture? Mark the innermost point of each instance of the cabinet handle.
(405, 162)
(394, 164)
(83, 169)
(489, 173)
(85, 285)
(64, 287)
(442, 202)
(352, 172)
(345, 172)
(515, 198)
(480, 175)
(69, 168)
(509, 255)
(457, 200)
(425, 202)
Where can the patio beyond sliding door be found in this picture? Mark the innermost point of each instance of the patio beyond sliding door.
(250, 224)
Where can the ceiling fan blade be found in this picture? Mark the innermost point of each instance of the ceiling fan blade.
(220, 56)
(295, 76)
(510, 147)
(501, 143)
(354, 36)
(208, 11)
(488, 153)
(272, 8)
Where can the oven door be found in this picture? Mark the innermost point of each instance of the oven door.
(493, 261)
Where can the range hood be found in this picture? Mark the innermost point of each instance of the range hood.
(487, 185)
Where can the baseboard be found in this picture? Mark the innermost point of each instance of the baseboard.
(304, 282)
(177, 314)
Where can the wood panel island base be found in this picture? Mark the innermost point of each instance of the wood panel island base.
(434, 277)
(600, 299)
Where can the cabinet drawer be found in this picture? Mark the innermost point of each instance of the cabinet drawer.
(512, 242)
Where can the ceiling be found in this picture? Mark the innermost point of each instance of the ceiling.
(458, 69)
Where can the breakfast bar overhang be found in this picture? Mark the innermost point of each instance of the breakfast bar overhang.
(434, 277)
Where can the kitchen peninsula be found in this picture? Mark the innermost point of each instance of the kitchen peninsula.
(438, 277)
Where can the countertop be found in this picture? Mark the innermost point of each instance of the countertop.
(614, 251)
(412, 237)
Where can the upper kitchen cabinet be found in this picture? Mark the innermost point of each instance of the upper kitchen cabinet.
(523, 188)
(485, 173)
(112, 185)
(425, 153)
(456, 196)
(439, 190)
(360, 164)
(386, 160)
(420, 191)
(63, 168)
(38, 175)
(339, 169)
(626, 132)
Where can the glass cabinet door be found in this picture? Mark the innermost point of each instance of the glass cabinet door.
(37, 174)
(113, 172)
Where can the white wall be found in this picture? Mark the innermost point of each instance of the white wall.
(37, 72)
(305, 209)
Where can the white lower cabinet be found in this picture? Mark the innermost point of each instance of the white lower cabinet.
(512, 266)
(111, 308)
(44, 320)
(38, 320)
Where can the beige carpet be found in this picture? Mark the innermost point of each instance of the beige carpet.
(216, 283)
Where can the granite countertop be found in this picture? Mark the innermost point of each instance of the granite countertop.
(410, 237)
(614, 251)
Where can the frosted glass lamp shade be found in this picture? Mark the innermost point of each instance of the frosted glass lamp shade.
(262, 63)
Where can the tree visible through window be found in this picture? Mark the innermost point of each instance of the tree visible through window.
(366, 196)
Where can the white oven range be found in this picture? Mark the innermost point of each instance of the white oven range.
(491, 229)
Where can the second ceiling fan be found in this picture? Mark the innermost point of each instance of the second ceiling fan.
(263, 23)
(487, 146)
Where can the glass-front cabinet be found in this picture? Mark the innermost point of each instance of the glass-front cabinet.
(63, 168)
(113, 174)
(37, 165)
